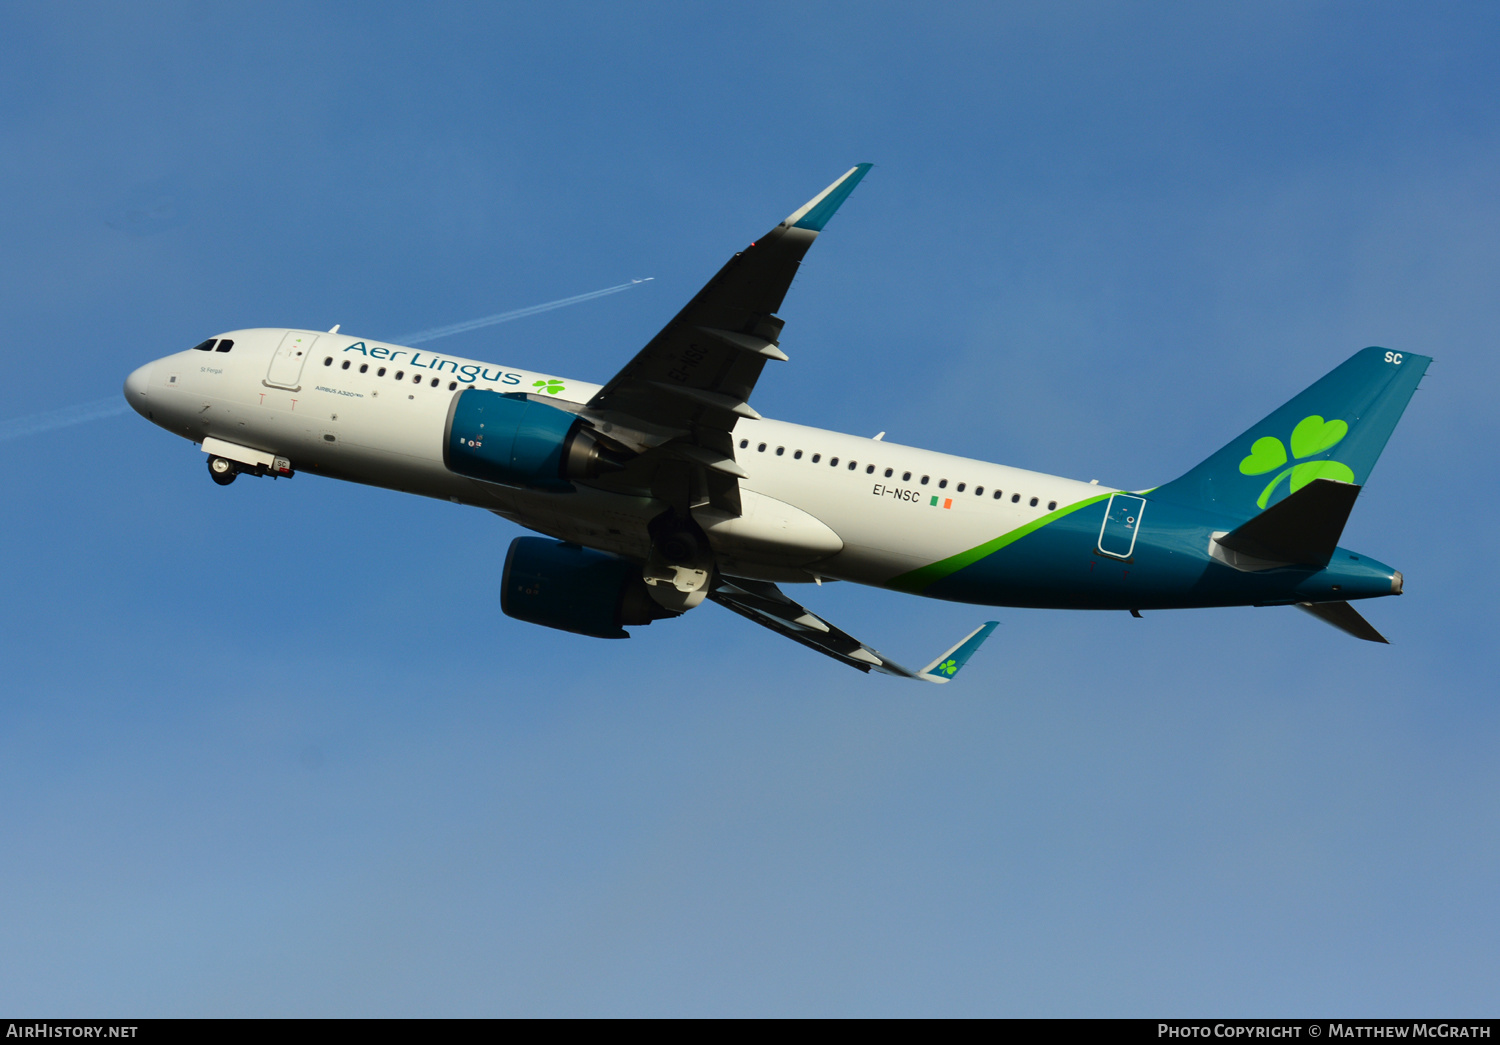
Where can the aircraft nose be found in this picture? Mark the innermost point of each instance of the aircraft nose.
(135, 387)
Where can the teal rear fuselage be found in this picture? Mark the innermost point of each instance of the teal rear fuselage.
(1059, 566)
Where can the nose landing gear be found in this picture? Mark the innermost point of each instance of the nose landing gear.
(222, 470)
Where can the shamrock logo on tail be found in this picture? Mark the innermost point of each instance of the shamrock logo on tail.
(948, 667)
(551, 386)
(1313, 435)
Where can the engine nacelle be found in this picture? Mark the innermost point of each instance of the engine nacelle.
(563, 586)
(509, 439)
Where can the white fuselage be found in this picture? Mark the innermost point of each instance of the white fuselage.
(816, 503)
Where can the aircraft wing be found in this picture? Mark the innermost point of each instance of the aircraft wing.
(690, 384)
(766, 605)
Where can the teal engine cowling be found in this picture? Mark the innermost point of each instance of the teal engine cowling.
(563, 586)
(507, 438)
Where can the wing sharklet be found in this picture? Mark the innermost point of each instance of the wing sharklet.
(814, 214)
(946, 666)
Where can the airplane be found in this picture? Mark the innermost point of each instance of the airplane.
(664, 488)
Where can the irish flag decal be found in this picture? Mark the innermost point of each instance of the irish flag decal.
(947, 502)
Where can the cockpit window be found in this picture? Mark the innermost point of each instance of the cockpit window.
(224, 345)
(207, 346)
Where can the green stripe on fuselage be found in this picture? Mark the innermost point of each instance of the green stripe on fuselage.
(919, 579)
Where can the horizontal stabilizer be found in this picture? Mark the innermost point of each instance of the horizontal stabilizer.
(1345, 618)
(1302, 528)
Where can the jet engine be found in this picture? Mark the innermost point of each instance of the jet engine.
(509, 439)
(560, 585)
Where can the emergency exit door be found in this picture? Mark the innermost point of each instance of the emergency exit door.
(286, 364)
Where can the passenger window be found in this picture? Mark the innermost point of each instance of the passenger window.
(780, 450)
(1051, 506)
(816, 458)
(207, 346)
(889, 472)
(452, 385)
(833, 462)
(434, 382)
(1015, 498)
(978, 491)
(364, 368)
(744, 443)
(942, 484)
(999, 494)
(906, 477)
(853, 465)
(416, 379)
(869, 469)
(380, 372)
(224, 345)
(797, 456)
(345, 366)
(761, 448)
(328, 361)
(924, 480)
(1033, 502)
(400, 374)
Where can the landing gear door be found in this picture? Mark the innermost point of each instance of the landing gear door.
(1122, 522)
(286, 364)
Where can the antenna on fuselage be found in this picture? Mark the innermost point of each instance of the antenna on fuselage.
(335, 328)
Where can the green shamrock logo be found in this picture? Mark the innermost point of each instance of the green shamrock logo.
(551, 386)
(1313, 435)
(948, 667)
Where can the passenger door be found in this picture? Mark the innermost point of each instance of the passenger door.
(1122, 523)
(286, 364)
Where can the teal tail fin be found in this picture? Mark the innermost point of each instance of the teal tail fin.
(1334, 430)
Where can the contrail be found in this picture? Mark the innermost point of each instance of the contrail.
(34, 424)
(505, 317)
(68, 415)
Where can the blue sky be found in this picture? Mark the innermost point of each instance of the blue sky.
(273, 749)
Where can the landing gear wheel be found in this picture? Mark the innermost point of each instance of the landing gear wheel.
(222, 471)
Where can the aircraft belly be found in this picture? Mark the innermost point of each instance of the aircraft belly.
(769, 531)
(594, 518)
